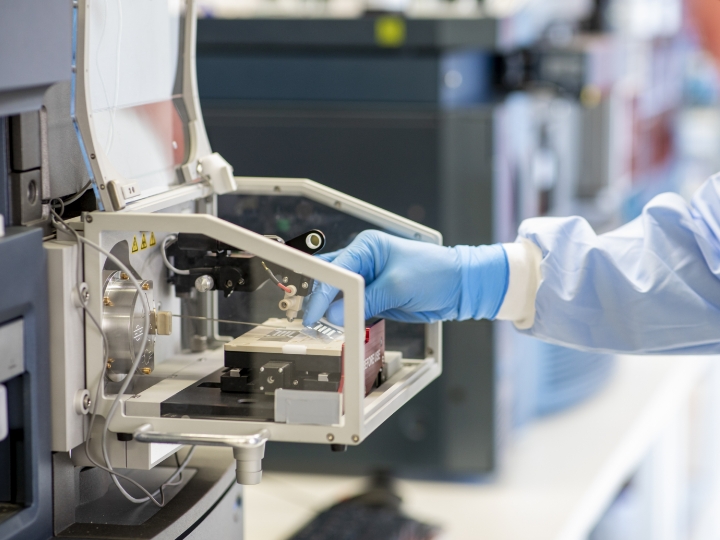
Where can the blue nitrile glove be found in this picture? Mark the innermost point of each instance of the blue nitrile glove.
(412, 281)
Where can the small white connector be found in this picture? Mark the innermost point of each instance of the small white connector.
(291, 304)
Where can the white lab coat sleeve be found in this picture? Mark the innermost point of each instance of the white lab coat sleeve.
(523, 280)
(651, 286)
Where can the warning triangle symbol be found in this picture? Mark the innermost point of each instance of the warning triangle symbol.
(135, 245)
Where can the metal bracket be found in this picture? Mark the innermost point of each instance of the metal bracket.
(248, 450)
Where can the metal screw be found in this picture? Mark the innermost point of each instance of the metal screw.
(199, 168)
(92, 156)
(277, 189)
(262, 388)
(355, 438)
(270, 379)
(280, 370)
(84, 292)
(146, 371)
(305, 285)
(88, 219)
(87, 402)
(337, 204)
(262, 369)
(241, 281)
(145, 286)
(430, 352)
(109, 365)
(330, 437)
(204, 283)
(295, 383)
(102, 186)
(229, 283)
(286, 279)
(123, 275)
(107, 301)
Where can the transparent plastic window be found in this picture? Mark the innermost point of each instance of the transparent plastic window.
(135, 73)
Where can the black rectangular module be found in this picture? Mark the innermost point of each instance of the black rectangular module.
(302, 362)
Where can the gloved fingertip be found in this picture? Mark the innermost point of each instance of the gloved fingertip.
(314, 310)
(336, 313)
(328, 257)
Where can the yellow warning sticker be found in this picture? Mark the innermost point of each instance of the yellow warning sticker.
(152, 239)
(143, 242)
(135, 245)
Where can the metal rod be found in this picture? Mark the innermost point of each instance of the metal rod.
(223, 321)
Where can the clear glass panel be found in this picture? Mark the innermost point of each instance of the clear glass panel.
(134, 65)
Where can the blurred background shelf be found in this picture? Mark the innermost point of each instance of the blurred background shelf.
(625, 456)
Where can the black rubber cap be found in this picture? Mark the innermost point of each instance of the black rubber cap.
(338, 447)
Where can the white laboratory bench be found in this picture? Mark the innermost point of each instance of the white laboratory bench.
(560, 473)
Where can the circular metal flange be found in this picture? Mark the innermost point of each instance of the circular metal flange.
(123, 322)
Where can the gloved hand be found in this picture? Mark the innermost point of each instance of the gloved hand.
(412, 281)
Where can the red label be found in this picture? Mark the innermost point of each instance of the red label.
(374, 355)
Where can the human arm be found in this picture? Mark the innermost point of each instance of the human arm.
(414, 281)
(651, 286)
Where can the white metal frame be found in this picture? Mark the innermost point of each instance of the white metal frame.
(358, 421)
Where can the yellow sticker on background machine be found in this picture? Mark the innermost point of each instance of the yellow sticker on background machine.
(390, 31)
(152, 239)
(135, 245)
(143, 242)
